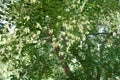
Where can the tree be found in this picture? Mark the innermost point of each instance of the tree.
(63, 40)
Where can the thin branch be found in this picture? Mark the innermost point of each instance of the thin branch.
(104, 33)
(64, 64)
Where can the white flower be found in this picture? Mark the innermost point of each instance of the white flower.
(27, 18)
(51, 55)
(47, 16)
(61, 53)
(9, 47)
(73, 5)
(67, 10)
(27, 30)
(54, 39)
(87, 32)
(44, 41)
(16, 56)
(34, 35)
(74, 60)
(33, 1)
(54, 44)
(50, 31)
(68, 47)
(38, 25)
(63, 33)
(80, 46)
(74, 21)
(83, 38)
(38, 32)
(58, 17)
(80, 28)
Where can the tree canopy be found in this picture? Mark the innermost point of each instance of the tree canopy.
(61, 39)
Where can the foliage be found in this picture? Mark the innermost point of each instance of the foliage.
(62, 39)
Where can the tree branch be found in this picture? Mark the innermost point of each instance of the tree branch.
(64, 64)
(104, 33)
